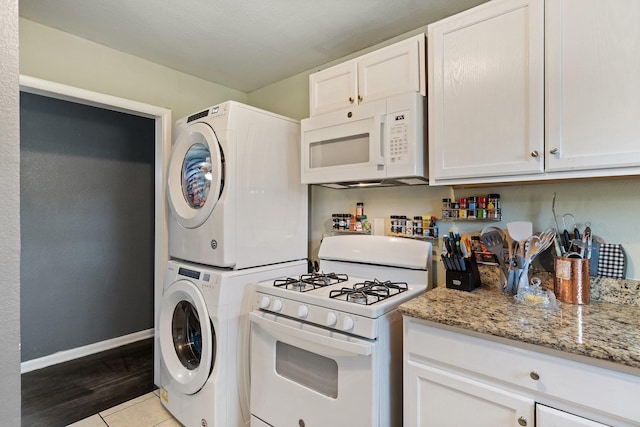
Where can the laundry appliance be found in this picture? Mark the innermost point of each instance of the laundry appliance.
(234, 188)
(203, 340)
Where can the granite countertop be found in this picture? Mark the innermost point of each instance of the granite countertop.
(600, 331)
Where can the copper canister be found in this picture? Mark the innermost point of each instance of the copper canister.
(572, 284)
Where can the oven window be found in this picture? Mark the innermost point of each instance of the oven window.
(311, 370)
(348, 150)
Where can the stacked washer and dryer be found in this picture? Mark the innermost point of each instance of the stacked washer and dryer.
(238, 217)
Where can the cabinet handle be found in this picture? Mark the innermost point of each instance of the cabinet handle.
(534, 375)
(534, 153)
(351, 100)
(554, 150)
(359, 98)
(522, 421)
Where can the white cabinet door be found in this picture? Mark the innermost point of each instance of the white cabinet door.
(593, 88)
(334, 88)
(550, 417)
(486, 87)
(437, 398)
(393, 70)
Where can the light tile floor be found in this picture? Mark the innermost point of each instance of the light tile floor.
(143, 411)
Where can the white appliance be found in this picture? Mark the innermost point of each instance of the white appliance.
(377, 143)
(203, 344)
(326, 349)
(234, 188)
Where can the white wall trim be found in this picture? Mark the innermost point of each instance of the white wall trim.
(163, 124)
(78, 352)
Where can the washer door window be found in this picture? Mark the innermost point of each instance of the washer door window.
(187, 339)
(196, 175)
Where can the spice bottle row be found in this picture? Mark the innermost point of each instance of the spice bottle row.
(416, 226)
(473, 207)
(351, 222)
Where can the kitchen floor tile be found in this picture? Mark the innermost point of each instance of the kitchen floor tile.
(145, 413)
(93, 421)
(127, 404)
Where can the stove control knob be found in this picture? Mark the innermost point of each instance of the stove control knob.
(331, 318)
(303, 311)
(264, 302)
(277, 305)
(348, 324)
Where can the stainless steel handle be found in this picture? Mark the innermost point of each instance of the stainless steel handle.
(534, 153)
(351, 100)
(522, 421)
(534, 375)
(554, 150)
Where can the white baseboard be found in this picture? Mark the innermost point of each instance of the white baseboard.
(76, 353)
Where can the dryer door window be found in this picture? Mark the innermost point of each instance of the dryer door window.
(187, 338)
(196, 175)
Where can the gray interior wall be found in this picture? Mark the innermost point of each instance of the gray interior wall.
(9, 217)
(86, 193)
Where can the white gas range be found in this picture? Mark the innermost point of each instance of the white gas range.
(331, 342)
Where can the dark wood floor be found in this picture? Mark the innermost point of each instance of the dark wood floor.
(63, 394)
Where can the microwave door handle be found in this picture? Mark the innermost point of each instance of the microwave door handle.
(322, 344)
(377, 150)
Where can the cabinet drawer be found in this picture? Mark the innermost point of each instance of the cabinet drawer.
(588, 386)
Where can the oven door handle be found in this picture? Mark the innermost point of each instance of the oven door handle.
(284, 333)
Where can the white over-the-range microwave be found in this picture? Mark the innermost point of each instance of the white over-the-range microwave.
(378, 143)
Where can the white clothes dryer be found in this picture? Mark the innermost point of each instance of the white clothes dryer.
(234, 188)
(203, 340)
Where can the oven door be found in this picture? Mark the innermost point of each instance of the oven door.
(305, 375)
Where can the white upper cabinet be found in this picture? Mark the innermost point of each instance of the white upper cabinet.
(523, 90)
(486, 105)
(593, 84)
(392, 70)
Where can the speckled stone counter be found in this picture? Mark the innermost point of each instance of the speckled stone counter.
(601, 331)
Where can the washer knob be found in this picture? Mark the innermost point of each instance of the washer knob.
(277, 305)
(303, 311)
(331, 318)
(348, 324)
(264, 302)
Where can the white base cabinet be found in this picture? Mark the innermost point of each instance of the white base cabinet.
(550, 417)
(452, 379)
(526, 90)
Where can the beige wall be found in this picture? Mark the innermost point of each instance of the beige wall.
(9, 216)
(54, 55)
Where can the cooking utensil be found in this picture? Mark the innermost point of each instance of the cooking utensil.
(520, 231)
(494, 238)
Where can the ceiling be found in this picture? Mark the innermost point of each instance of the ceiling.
(241, 44)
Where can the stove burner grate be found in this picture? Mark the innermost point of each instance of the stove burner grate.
(369, 292)
(309, 282)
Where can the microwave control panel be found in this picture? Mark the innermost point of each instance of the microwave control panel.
(398, 138)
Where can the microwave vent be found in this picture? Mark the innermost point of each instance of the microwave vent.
(394, 182)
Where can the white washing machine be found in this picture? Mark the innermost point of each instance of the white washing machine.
(203, 340)
(234, 188)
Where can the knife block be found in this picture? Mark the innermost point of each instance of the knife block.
(466, 280)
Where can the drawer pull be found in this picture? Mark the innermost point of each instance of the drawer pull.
(522, 421)
(534, 375)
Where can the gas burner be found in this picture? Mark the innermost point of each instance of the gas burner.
(369, 292)
(324, 279)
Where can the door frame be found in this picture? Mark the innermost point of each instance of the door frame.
(162, 150)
